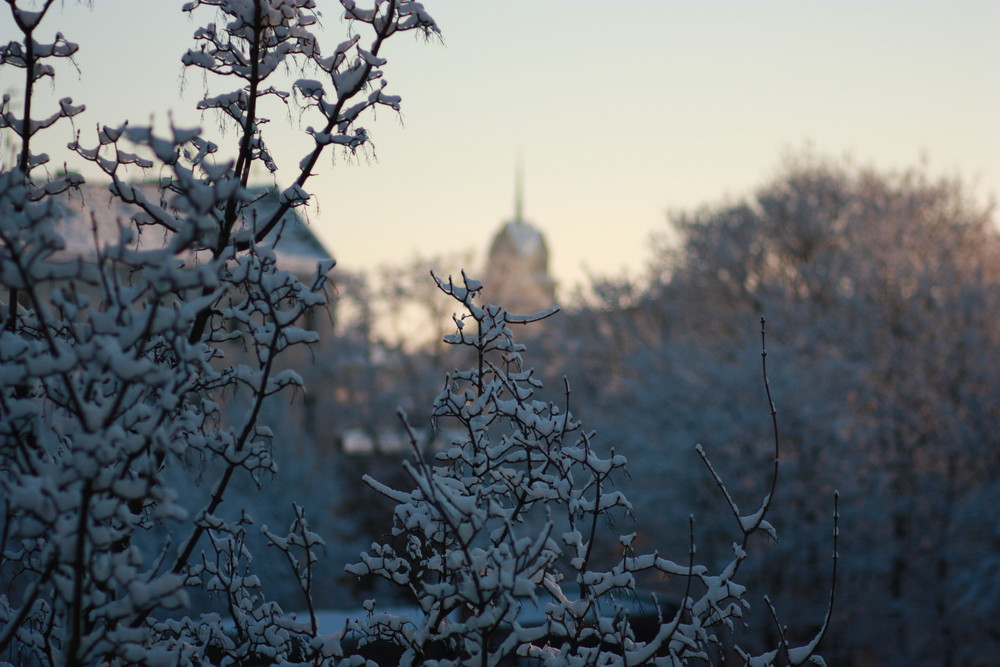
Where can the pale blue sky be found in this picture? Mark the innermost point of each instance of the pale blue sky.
(621, 110)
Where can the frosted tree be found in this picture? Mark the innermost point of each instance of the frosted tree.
(886, 288)
(160, 353)
(514, 511)
(120, 370)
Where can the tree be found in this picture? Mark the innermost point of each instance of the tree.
(119, 372)
(885, 287)
(162, 357)
(514, 509)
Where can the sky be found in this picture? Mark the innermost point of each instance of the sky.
(619, 112)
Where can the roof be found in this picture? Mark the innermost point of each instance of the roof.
(92, 209)
(523, 237)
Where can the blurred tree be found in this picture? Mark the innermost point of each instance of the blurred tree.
(883, 294)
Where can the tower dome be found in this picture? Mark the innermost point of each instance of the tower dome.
(517, 268)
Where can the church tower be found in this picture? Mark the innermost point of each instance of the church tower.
(517, 269)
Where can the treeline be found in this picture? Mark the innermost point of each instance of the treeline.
(881, 293)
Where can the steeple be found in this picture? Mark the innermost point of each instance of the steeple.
(517, 268)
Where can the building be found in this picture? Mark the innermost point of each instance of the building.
(92, 219)
(517, 269)
(91, 213)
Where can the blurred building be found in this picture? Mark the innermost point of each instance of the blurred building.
(92, 218)
(517, 269)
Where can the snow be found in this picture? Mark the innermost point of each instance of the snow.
(104, 392)
(470, 544)
(333, 621)
(91, 210)
(526, 239)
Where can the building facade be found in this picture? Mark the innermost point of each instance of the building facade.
(517, 268)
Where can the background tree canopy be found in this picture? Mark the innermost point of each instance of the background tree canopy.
(882, 295)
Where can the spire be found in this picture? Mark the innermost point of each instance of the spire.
(519, 190)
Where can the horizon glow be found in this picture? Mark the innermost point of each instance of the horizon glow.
(621, 111)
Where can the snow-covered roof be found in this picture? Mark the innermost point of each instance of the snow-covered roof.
(524, 237)
(92, 210)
